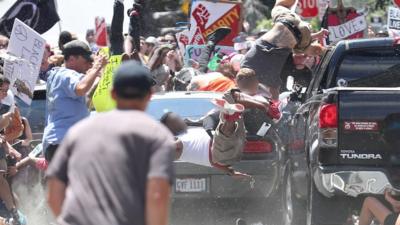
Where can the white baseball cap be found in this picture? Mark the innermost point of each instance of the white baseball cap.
(151, 40)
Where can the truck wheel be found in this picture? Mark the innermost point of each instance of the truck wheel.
(322, 210)
(294, 209)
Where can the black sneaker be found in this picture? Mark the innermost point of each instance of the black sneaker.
(218, 35)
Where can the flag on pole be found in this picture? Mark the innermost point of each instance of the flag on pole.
(40, 15)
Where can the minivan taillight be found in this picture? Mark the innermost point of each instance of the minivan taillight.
(258, 147)
(328, 116)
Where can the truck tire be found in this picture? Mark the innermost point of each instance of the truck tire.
(293, 208)
(326, 211)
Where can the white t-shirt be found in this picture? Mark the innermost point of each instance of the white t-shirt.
(196, 147)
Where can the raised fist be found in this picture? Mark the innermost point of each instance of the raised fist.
(201, 15)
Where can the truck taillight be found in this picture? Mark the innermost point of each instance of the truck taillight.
(328, 116)
(257, 147)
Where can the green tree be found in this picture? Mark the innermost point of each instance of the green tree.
(255, 10)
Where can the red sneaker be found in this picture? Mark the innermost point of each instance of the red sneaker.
(274, 111)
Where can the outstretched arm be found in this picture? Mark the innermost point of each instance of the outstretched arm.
(249, 101)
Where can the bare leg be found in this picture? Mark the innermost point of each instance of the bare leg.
(5, 192)
(25, 162)
(371, 208)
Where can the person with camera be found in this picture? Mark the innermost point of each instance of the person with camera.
(374, 208)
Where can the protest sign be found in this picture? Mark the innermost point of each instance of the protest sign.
(194, 51)
(396, 2)
(308, 8)
(101, 31)
(346, 30)
(102, 100)
(27, 45)
(207, 16)
(183, 40)
(394, 21)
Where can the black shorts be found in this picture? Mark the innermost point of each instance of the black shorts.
(391, 219)
(267, 61)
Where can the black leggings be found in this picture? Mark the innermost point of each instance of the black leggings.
(116, 35)
(205, 56)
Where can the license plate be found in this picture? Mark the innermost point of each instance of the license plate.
(190, 185)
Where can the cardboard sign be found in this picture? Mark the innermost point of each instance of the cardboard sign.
(28, 45)
(194, 51)
(102, 100)
(394, 21)
(308, 8)
(353, 28)
(207, 16)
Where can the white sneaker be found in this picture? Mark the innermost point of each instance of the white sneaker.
(226, 107)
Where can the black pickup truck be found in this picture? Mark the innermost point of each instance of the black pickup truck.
(344, 132)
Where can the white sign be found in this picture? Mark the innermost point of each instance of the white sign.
(347, 29)
(194, 51)
(394, 21)
(28, 45)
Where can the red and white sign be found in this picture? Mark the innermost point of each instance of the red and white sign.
(183, 40)
(207, 16)
(101, 31)
(308, 8)
(352, 28)
(396, 3)
(361, 126)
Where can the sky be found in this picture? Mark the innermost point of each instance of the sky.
(76, 16)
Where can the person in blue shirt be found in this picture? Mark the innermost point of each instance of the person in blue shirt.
(66, 92)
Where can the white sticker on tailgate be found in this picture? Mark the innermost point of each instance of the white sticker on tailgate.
(190, 185)
(361, 125)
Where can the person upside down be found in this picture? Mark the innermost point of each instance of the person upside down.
(224, 147)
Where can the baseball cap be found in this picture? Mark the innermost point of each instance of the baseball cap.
(78, 47)
(132, 80)
(151, 40)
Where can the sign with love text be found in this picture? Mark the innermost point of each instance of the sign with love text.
(348, 29)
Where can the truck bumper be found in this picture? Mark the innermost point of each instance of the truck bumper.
(350, 182)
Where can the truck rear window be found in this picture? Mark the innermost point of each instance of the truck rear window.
(370, 68)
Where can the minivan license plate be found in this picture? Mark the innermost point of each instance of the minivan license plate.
(191, 185)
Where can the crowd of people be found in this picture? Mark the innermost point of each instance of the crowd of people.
(122, 172)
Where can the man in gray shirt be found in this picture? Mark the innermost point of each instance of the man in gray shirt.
(116, 167)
